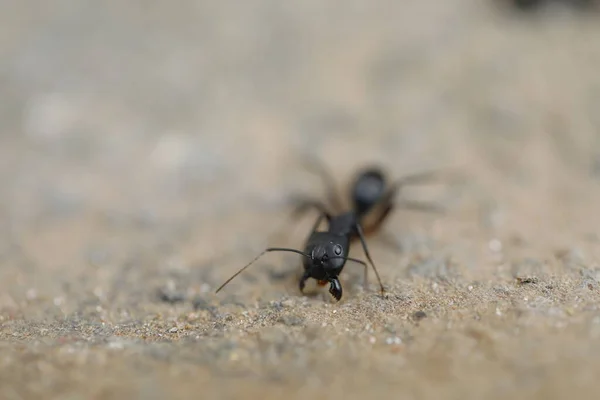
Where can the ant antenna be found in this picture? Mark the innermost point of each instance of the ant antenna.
(259, 256)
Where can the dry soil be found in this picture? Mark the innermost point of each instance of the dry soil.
(149, 149)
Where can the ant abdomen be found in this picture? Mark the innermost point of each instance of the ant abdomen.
(368, 189)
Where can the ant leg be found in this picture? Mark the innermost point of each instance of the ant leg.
(305, 204)
(303, 280)
(335, 288)
(366, 278)
(405, 204)
(315, 165)
(374, 227)
(366, 250)
(419, 179)
(317, 223)
(420, 206)
(301, 206)
(426, 176)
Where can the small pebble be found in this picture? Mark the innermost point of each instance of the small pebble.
(291, 320)
(526, 279)
(276, 305)
(173, 330)
(495, 245)
(393, 340)
(200, 303)
(170, 296)
(419, 315)
(287, 303)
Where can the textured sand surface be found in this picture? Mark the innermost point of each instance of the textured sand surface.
(148, 150)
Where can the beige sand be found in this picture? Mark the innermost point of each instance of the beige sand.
(147, 152)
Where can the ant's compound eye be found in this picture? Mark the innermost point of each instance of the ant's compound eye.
(337, 249)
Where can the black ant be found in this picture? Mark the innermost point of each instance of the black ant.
(326, 252)
(535, 4)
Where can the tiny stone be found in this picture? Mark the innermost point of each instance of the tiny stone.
(291, 320)
(173, 330)
(287, 303)
(372, 340)
(171, 296)
(527, 279)
(201, 304)
(393, 340)
(419, 315)
(495, 245)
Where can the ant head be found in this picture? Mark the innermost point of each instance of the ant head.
(368, 188)
(330, 255)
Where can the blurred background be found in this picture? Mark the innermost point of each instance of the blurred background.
(177, 130)
(145, 144)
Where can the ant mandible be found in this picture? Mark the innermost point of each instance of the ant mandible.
(326, 252)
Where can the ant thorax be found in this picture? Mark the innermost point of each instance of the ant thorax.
(343, 224)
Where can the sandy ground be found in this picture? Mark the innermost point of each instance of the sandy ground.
(148, 150)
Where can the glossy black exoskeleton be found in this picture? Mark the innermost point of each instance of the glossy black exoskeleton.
(326, 252)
